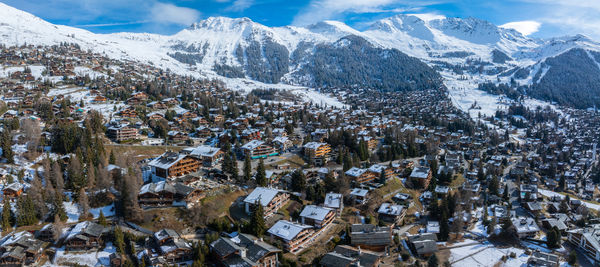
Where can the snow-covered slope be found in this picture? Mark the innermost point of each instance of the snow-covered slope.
(466, 51)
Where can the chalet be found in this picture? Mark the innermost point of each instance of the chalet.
(244, 250)
(258, 149)
(391, 213)
(173, 248)
(177, 136)
(157, 105)
(334, 201)
(167, 194)
(317, 152)
(359, 175)
(155, 115)
(371, 237)
(420, 177)
(319, 217)
(294, 236)
(543, 259)
(13, 190)
(347, 256)
(122, 133)
(210, 156)
(588, 239)
(48, 233)
(270, 199)
(424, 244)
(251, 134)
(98, 99)
(282, 143)
(84, 236)
(128, 113)
(20, 249)
(526, 226)
(377, 169)
(359, 195)
(171, 165)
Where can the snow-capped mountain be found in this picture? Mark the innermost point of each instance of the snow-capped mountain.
(465, 52)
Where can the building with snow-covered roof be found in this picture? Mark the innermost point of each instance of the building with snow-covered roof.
(244, 250)
(171, 165)
(316, 216)
(258, 149)
(294, 236)
(84, 236)
(334, 201)
(391, 213)
(359, 195)
(165, 193)
(20, 249)
(526, 226)
(172, 248)
(420, 177)
(270, 199)
(317, 152)
(209, 155)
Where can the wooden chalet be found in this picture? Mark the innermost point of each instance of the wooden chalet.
(85, 236)
(171, 165)
(244, 250)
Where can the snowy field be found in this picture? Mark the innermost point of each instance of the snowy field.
(464, 93)
(90, 258)
(549, 193)
(485, 255)
(73, 213)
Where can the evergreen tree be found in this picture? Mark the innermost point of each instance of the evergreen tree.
(25, 211)
(505, 193)
(119, 240)
(6, 144)
(247, 169)
(102, 220)
(382, 178)
(59, 209)
(444, 229)
(347, 162)
(257, 222)
(298, 181)
(6, 215)
(493, 186)
(261, 176)
(432, 261)
(111, 158)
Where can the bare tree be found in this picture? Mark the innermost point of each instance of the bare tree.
(84, 205)
(32, 135)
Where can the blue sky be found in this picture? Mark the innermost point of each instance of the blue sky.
(539, 18)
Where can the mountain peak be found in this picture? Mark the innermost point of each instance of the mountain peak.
(221, 23)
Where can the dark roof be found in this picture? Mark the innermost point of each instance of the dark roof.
(255, 248)
(334, 259)
(368, 234)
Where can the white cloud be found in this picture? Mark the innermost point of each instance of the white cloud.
(526, 27)
(428, 16)
(240, 5)
(319, 10)
(169, 13)
(569, 16)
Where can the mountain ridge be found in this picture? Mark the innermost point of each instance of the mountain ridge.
(465, 51)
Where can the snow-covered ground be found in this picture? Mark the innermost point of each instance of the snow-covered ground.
(73, 213)
(549, 193)
(90, 258)
(485, 255)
